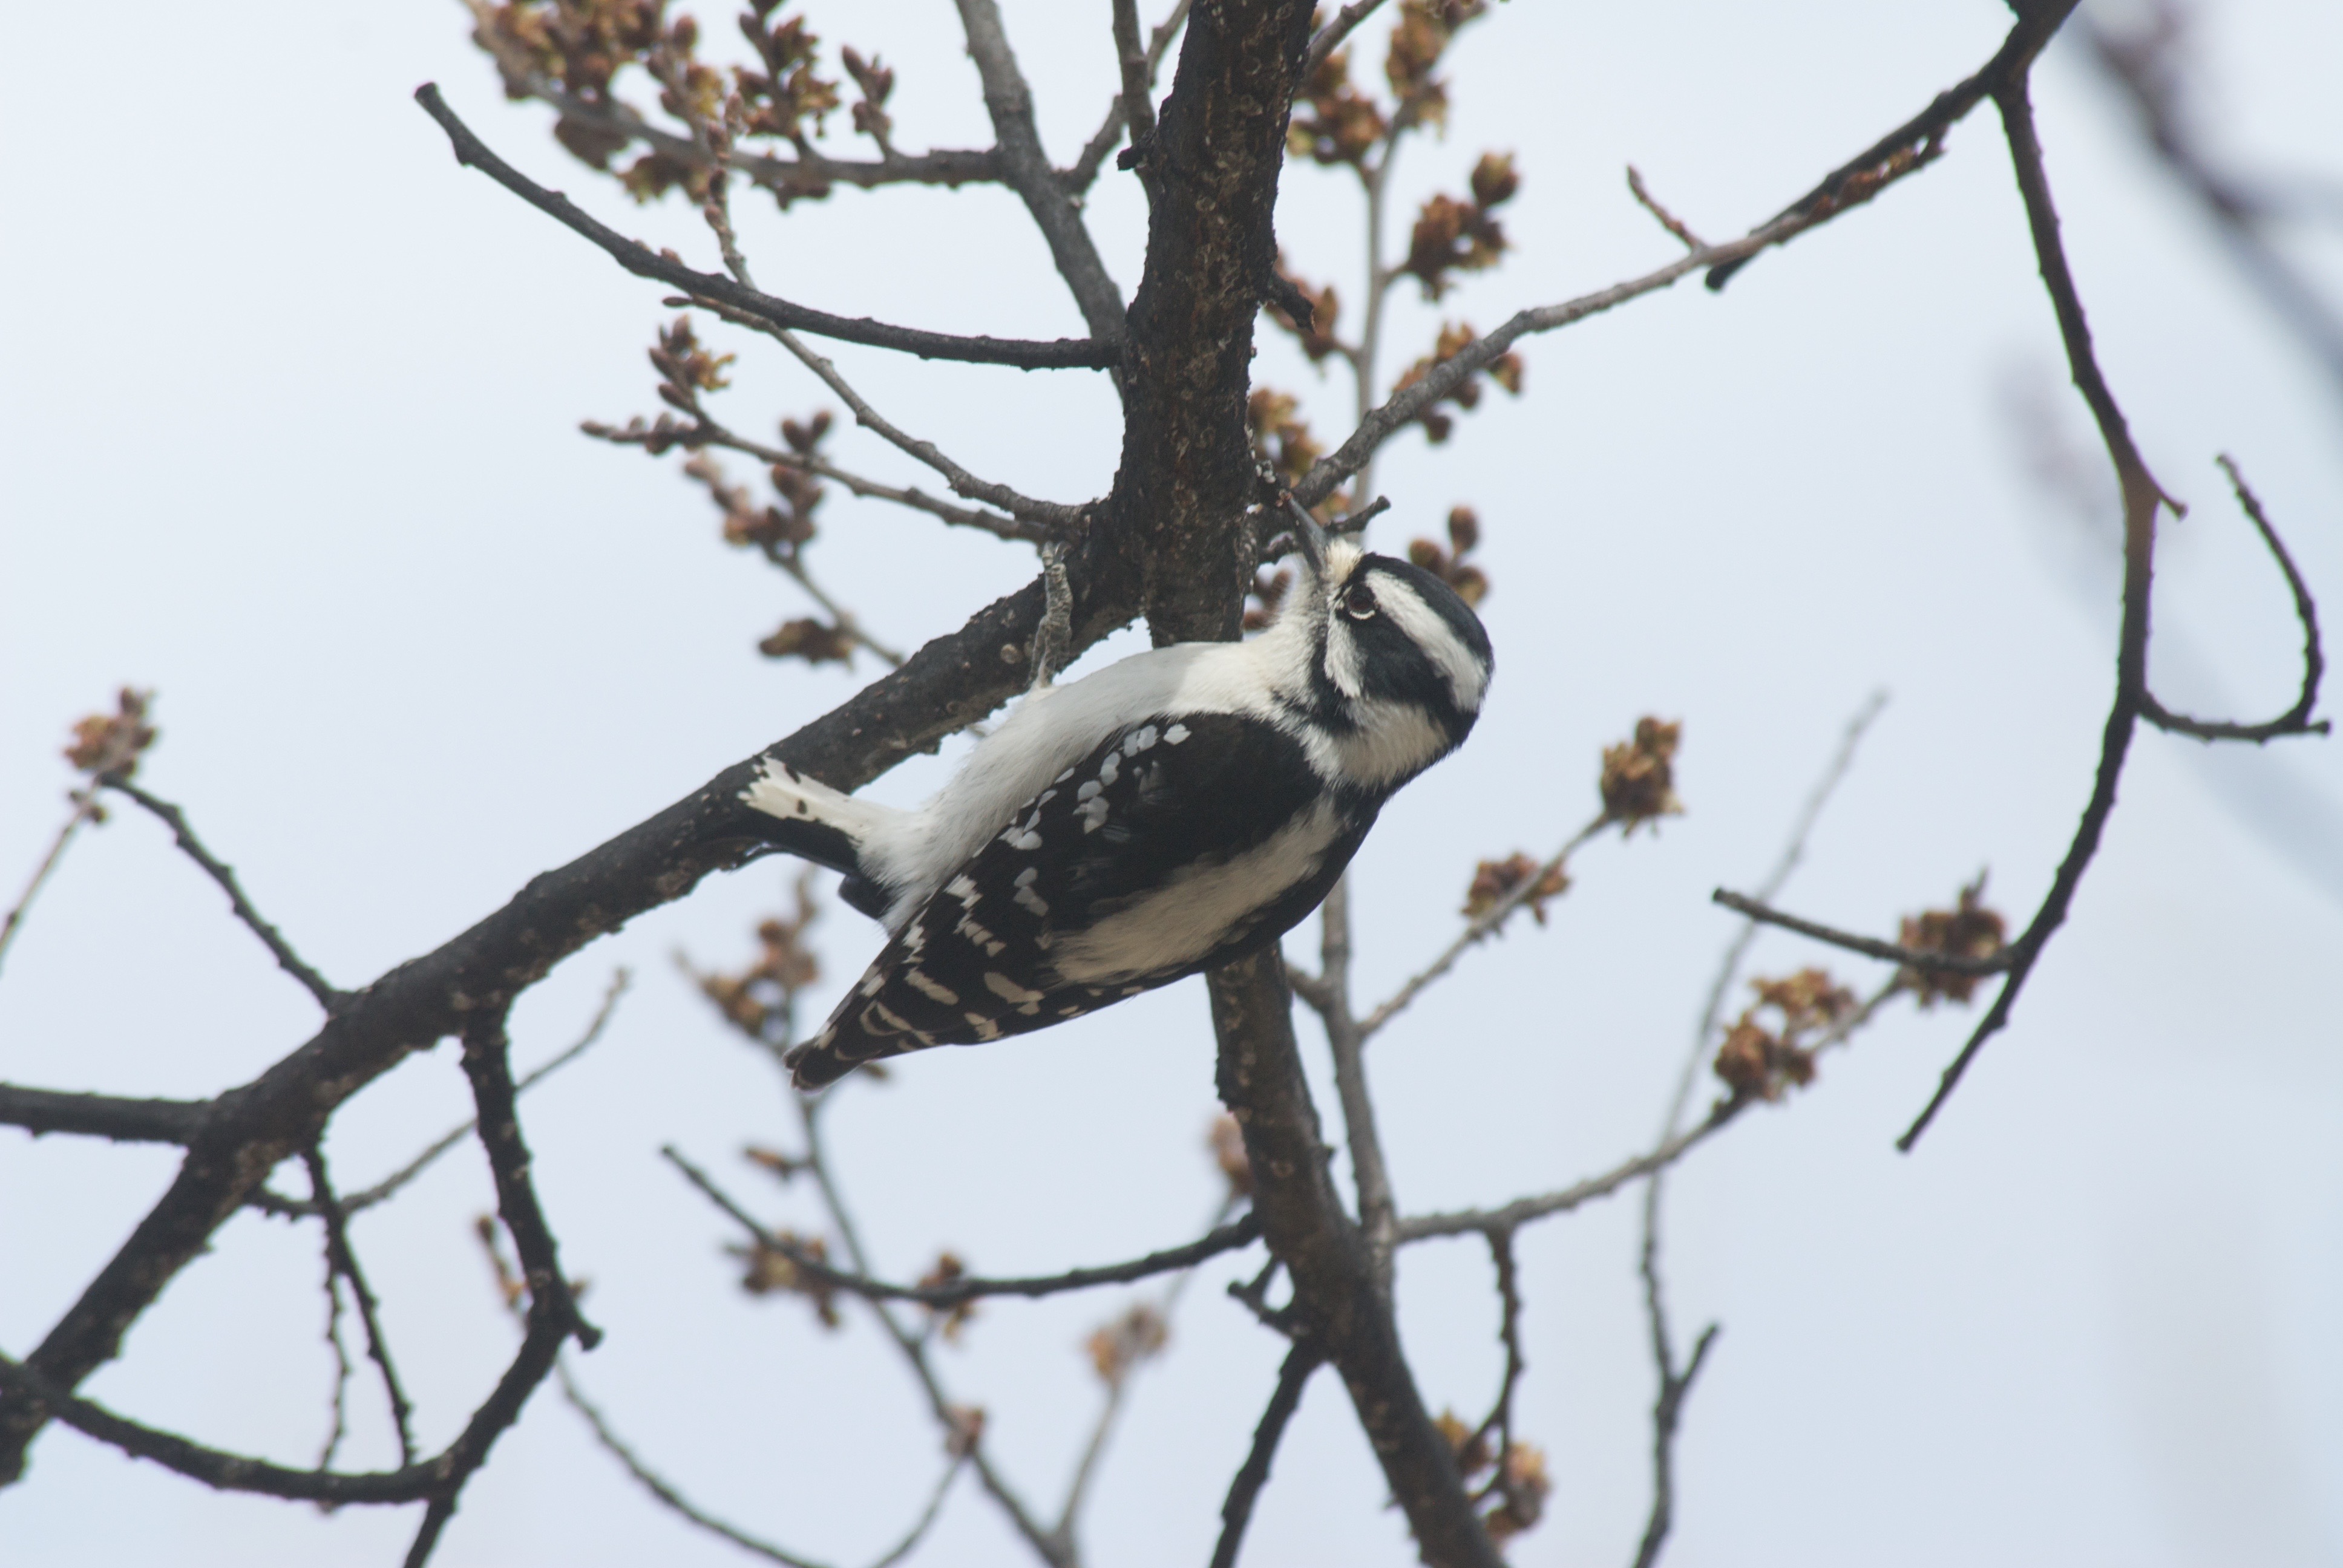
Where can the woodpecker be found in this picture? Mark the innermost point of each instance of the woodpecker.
(1181, 808)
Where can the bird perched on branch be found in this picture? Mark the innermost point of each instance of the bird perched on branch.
(1182, 808)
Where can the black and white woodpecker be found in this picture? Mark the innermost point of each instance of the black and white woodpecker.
(1181, 808)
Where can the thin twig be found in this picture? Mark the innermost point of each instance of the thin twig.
(1229, 1238)
(948, 1415)
(1330, 38)
(1084, 171)
(1137, 79)
(2142, 496)
(1673, 1387)
(177, 821)
(1668, 220)
(709, 433)
(1244, 1489)
(270, 1202)
(342, 1259)
(1025, 169)
(1522, 1210)
(84, 809)
(1500, 1419)
(1903, 151)
(2295, 721)
(1064, 353)
(667, 1493)
(962, 481)
(1346, 1041)
(1479, 928)
(1869, 947)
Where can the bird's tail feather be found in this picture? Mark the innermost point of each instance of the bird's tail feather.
(815, 822)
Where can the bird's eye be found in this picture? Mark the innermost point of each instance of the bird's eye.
(1359, 602)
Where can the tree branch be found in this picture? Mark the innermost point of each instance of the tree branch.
(2141, 497)
(1522, 1210)
(1237, 1234)
(39, 1111)
(340, 1260)
(1337, 1304)
(276, 1204)
(1330, 38)
(1479, 928)
(1869, 947)
(1084, 173)
(2295, 721)
(640, 259)
(1917, 139)
(1025, 168)
(177, 821)
(962, 481)
(1236, 1512)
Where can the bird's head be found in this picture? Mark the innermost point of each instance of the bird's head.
(1388, 636)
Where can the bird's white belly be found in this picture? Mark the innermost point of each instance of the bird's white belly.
(1177, 924)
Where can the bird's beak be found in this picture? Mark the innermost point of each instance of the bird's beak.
(1309, 536)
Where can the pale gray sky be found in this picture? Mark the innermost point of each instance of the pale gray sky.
(289, 434)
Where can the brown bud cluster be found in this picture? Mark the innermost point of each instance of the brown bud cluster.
(1119, 1346)
(949, 1322)
(1968, 931)
(1506, 370)
(1766, 1063)
(1638, 783)
(1226, 1141)
(686, 369)
(1471, 584)
(769, 1271)
(760, 1001)
(1424, 30)
(1453, 234)
(814, 641)
(112, 743)
(1496, 881)
(1281, 440)
(876, 82)
(1334, 123)
(1516, 1483)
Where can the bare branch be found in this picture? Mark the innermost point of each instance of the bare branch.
(84, 811)
(1084, 171)
(342, 1261)
(1330, 38)
(287, 959)
(1919, 139)
(707, 432)
(1060, 353)
(1138, 75)
(1522, 1210)
(1236, 1512)
(1910, 147)
(1668, 220)
(1870, 947)
(668, 1495)
(1237, 1234)
(1480, 928)
(271, 1203)
(1025, 168)
(39, 1111)
(1337, 1303)
(962, 481)
(2295, 721)
(2141, 497)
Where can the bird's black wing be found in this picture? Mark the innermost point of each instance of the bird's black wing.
(1156, 800)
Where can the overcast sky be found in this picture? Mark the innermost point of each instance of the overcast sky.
(289, 434)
